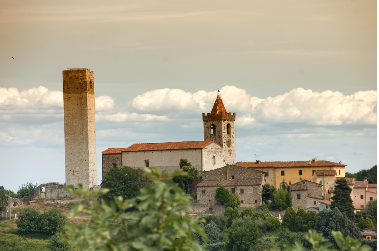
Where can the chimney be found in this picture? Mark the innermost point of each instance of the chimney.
(314, 160)
(257, 162)
(365, 179)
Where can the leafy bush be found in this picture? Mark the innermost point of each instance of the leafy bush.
(185, 181)
(271, 222)
(265, 244)
(288, 218)
(213, 234)
(261, 225)
(247, 211)
(56, 243)
(365, 223)
(26, 190)
(371, 243)
(222, 195)
(242, 237)
(233, 201)
(282, 200)
(239, 222)
(287, 237)
(220, 220)
(231, 214)
(50, 222)
(311, 218)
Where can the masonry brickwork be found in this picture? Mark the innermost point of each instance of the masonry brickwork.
(301, 193)
(79, 127)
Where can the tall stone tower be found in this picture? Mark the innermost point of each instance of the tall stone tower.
(219, 127)
(79, 127)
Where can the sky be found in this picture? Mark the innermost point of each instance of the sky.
(300, 75)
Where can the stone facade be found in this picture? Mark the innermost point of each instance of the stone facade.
(304, 193)
(111, 161)
(79, 126)
(232, 172)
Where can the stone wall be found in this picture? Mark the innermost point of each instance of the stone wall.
(110, 161)
(232, 172)
(299, 203)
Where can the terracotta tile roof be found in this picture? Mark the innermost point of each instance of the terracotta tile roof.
(279, 164)
(298, 187)
(160, 146)
(328, 202)
(232, 182)
(372, 185)
(306, 181)
(350, 181)
(326, 172)
(360, 184)
(218, 107)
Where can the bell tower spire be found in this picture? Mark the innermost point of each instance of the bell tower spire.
(219, 127)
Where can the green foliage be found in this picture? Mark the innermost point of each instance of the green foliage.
(282, 200)
(342, 199)
(213, 233)
(13, 242)
(238, 222)
(233, 201)
(222, 195)
(334, 220)
(266, 244)
(365, 223)
(264, 208)
(220, 220)
(373, 243)
(242, 237)
(185, 181)
(231, 214)
(299, 223)
(267, 193)
(26, 190)
(370, 174)
(125, 182)
(184, 162)
(288, 218)
(247, 211)
(50, 222)
(56, 243)
(311, 218)
(370, 211)
(261, 225)
(271, 222)
(159, 223)
(287, 237)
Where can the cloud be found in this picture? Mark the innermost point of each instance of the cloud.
(104, 103)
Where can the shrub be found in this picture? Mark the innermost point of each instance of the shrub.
(311, 218)
(231, 214)
(282, 200)
(261, 225)
(55, 243)
(365, 223)
(242, 237)
(220, 220)
(222, 195)
(233, 201)
(265, 244)
(287, 237)
(26, 190)
(239, 222)
(247, 211)
(288, 217)
(271, 222)
(50, 222)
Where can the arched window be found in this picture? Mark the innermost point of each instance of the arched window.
(228, 129)
(213, 129)
(214, 160)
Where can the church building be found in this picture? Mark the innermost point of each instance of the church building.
(215, 151)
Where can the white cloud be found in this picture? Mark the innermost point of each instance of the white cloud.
(104, 103)
(123, 117)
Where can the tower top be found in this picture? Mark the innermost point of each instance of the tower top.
(218, 107)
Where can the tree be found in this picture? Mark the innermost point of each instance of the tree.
(213, 234)
(271, 222)
(222, 195)
(233, 201)
(242, 237)
(26, 190)
(219, 219)
(247, 211)
(159, 223)
(267, 193)
(334, 220)
(311, 218)
(289, 217)
(282, 200)
(185, 181)
(125, 182)
(299, 222)
(365, 223)
(370, 211)
(4, 192)
(231, 214)
(342, 199)
(184, 162)
(370, 174)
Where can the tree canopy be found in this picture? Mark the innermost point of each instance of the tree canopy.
(267, 193)
(125, 182)
(370, 174)
(282, 199)
(185, 180)
(342, 199)
(26, 190)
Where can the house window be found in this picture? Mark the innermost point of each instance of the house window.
(313, 172)
(203, 191)
(327, 207)
(213, 129)
(147, 163)
(314, 202)
(298, 196)
(241, 201)
(228, 128)
(339, 172)
(242, 191)
(282, 173)
(362, 197)
(300, 172)
(362, 206)
(320, 182)
(114, 165)
(266, 174)
(214, 160)
(232, 177)
(371, 198)
(233, 190)
(256, 201)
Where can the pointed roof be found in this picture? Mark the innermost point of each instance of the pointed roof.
(218, 107)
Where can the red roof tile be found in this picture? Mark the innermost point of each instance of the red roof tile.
(232, 182)
(372, 185)
(160, 146)
(350, 181)
(298, 187)
(326, 172)
(218, 107)
(328, 202)
(306, 181)
(359, 184)
(279, 164)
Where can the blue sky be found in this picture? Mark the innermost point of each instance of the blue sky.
(301, 76)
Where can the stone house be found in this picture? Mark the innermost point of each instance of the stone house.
(293, 171)
(305, 194)
(216, 150)
(324, 204)
(243, 182)
(327, 179)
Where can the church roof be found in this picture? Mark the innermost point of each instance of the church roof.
(218, 107)
(289, 164)
(232, 182)
(160, 146)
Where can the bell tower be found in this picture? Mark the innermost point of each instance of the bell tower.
(219, 127)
